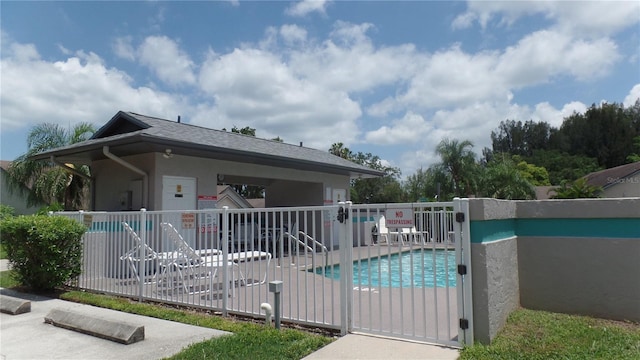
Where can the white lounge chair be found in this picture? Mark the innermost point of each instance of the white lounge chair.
(235, 258)
(388, 234)
(191, 267)
(133, 259)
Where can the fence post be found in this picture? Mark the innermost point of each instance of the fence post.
(346, 269)
(143, 252)
(225, 255)
(462, 235)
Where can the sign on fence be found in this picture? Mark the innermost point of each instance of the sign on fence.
(399, 218)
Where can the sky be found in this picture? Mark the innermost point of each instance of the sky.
(391, 78)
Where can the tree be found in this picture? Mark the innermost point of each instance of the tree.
(518, 138)
(430, 184)
(635, 156)
(576, 190)
(562, 167)
(47, 182)
(503, 180)
(458, 161)
(375, 190)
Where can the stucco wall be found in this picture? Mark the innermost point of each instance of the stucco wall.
(17, 201)
(581, 256)
(494, 265)
(572, 256)
(288, 187)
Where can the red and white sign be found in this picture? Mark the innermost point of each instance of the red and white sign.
(399, 218)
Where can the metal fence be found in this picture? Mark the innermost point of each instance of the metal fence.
(224, 259)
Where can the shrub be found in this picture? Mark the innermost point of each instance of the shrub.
(44, 251)
(6, 211)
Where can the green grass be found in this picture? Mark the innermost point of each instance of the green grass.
(534, 335)
(249, 340)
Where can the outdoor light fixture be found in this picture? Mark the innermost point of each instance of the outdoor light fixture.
(167, 154)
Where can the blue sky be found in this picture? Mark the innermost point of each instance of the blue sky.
(390, 78)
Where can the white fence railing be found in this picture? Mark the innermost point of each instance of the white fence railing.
(223, 260)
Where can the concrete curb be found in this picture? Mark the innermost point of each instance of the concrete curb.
(14, 306)
(120, 332)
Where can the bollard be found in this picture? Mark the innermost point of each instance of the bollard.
(276, 287)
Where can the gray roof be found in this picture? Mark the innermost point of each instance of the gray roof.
(129, 133)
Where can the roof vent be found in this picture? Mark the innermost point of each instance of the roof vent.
(300, 143)
(178, 119)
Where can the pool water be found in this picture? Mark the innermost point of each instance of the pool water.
(408, 269)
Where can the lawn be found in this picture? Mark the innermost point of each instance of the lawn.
(534, 335)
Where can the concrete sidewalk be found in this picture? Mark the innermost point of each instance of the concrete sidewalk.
(26, 336)
(354, 346)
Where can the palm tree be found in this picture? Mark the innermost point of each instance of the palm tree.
(459, 161)
(48, 183)
(576, 190)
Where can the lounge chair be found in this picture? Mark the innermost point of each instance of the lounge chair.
(234, 258)
(190, 266)
(133, 259)
(385, 233)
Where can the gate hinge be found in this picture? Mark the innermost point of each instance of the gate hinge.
(462, 269)
(464, 324)
(460, 217)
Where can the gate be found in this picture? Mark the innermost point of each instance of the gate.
(410, 277)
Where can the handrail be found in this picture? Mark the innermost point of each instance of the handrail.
(325, 251)
(315, 242)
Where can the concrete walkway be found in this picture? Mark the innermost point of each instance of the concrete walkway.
(364, 347)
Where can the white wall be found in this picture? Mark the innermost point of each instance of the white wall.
(288, 187)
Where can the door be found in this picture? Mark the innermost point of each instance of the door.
(178, 197)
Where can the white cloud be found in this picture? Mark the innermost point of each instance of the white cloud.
(304, 7)
(256, 88)
(349, 61)
(76, 89)
(163, 56)
(585, 18)
(123, 48)
(547, 113)
(293, 33)
(544, 54)
(634, 95)
(410, 129)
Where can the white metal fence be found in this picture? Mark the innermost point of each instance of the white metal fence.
(223, 260)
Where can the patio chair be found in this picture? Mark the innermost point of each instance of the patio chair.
(385, 233)
(234, 258)
(190, 266)
(418, 237)
(133, 259)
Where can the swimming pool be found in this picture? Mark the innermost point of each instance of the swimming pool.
(408, 269)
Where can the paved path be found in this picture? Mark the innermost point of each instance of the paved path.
(26, 336)
(368, 347)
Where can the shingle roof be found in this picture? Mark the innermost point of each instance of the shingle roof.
(612, 176)
(129, 127)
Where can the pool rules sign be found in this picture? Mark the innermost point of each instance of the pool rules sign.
(399, 218)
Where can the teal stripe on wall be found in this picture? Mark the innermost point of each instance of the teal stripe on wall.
(492, 230)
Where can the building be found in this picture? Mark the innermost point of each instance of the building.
(139, 161)
(620, 181)
(16, 199)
